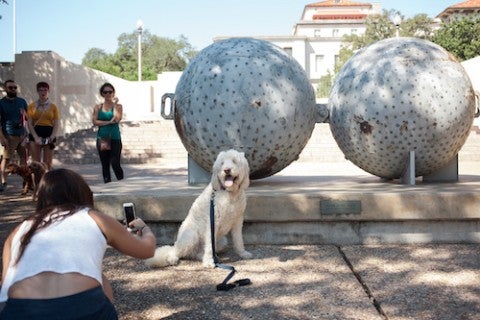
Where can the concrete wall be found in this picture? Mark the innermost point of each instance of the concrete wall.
(75, 88)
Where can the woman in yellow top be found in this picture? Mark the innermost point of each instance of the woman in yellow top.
(43, 117)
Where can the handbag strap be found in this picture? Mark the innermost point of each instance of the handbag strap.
(38, 120)
(224, 286)
(41, 115)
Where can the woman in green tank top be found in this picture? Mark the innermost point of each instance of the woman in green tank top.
(106, 116)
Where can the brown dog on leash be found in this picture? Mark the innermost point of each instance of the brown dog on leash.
(31, 174)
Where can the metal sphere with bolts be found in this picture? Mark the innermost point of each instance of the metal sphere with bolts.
(399, 95)
(246, 94)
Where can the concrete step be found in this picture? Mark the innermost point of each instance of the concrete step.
(157, 141)
(335, 203)
(143, 141)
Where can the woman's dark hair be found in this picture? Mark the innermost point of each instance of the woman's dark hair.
(106, 84)
(61, 187)
(61, 192)
(43, 84)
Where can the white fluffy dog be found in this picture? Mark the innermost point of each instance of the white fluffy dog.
(229, 181)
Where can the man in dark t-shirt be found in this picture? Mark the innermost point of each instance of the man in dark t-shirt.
(13, 111)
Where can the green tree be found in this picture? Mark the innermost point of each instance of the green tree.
(158, 55)
(324, 86)
(378, 27)
(343, 55)
(460, 37)
(420, 26)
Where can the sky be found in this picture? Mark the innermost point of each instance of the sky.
(71, 28)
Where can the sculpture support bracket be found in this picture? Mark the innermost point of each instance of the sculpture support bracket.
(196, 174)
(408, 176)
(449, 173)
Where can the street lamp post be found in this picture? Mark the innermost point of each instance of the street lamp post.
(140, 30)
(397, 20)
(14, 29)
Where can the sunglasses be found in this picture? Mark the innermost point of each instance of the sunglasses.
(107, 92)
(12, 88)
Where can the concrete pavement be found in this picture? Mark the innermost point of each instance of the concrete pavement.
(289, 281)
(336, 280)
(394, 282)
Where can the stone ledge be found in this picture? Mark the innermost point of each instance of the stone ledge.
(302, 208)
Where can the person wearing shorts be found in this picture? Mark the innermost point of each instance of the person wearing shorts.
(43, 117)
(12, 135)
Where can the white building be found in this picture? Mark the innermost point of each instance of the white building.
(460, 10)
(323, 25)
(317, 37)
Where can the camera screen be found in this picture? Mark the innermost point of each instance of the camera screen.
(129, 214)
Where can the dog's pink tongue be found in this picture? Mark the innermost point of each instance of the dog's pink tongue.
(228, 181)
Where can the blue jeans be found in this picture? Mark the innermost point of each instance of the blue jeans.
(90, 304)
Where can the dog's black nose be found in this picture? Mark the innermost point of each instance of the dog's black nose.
(227, 171)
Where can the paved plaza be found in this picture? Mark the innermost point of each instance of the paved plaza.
(382, 281)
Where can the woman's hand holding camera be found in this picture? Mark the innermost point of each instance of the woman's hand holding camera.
(137, 226)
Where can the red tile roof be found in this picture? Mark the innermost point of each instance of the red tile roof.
(338, 3)
(339, 16)
(467, 4)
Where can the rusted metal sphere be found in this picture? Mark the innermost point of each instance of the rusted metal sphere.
(249, 95)
(398, 95)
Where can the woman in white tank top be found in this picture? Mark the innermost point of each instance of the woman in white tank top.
(52, 261)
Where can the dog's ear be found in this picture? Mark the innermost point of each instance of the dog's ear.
(246, 169)
(215, 169)
(215, 183)
(245, 183)
(214, 179)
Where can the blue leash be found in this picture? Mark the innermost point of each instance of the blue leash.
(224, 286)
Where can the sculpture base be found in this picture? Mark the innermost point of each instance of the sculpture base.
(309, 204)
(449, 173)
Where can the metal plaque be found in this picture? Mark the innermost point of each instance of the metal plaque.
(333, 207)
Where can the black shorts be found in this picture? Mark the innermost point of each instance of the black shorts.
(42, 132)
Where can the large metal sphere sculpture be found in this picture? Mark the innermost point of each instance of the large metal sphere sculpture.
(249, 95)
(400, 95)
